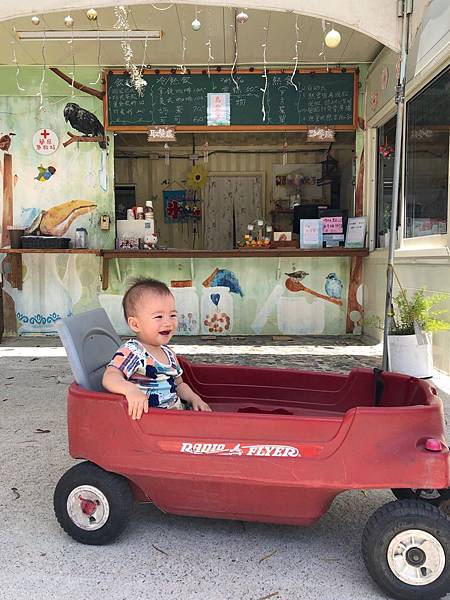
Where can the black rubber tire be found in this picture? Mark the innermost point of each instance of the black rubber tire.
(117, 492)
(390, 520)
(409, 494)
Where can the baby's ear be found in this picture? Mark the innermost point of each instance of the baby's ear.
(133, 324)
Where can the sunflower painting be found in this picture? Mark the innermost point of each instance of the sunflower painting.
(196, 178)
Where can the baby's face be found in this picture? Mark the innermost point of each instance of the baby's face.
(155, 320)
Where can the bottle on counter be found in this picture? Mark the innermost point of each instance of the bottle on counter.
(149, 212)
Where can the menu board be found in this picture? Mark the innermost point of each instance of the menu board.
(182, 100)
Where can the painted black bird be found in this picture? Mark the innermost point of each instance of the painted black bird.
(299, 275)
(84, 121)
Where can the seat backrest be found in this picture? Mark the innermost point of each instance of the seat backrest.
(90, 342)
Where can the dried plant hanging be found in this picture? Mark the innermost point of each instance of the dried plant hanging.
(122, 24)
(183, 43)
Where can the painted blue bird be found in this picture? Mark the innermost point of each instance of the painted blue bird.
(227, 279)
(333, 286)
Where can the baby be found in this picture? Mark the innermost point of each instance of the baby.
(144, 369)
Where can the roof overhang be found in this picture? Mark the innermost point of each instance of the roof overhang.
(378, 19)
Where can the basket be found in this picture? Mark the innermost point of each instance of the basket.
(42, 241)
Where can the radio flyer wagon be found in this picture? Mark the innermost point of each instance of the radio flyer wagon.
(278, 447)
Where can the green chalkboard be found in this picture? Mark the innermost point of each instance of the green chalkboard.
(181, 100)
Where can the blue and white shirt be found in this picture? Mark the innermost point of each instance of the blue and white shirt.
(156, 379)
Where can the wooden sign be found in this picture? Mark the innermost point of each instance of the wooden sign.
(162, 133)
(320, 134)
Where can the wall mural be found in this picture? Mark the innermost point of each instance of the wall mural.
(42, 195)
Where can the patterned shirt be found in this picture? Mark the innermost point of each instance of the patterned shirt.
(154, 378)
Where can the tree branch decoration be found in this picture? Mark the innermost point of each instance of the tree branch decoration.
(77, 85)
(83, 138)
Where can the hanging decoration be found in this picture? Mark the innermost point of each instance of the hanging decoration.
(91, 14)
(322, 52)
(297, 42)
(35, 20)
(264, 89)
(196, 177)
(41, 84)
(233, 68)
(183, 43)
(16, 62)
(166, 154)
(208, 43)
(285, 154)
(386, 150)
(196, 22)
(180, 206)
(242, 17)
(122, 24)
(333, 38)
(99, 51)
(68, 22)
(205, 152)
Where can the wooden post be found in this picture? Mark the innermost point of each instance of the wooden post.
(7, 218)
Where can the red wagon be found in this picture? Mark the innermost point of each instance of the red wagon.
(278, 447)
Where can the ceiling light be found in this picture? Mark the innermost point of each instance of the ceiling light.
(88, 34)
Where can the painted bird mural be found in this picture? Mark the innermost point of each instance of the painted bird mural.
(226, 278)
(298, 275)
(57, 219)
(5, 141)
(44, 173)
(84, 121)
(333, 286)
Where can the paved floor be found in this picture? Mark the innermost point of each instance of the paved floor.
(162, 556)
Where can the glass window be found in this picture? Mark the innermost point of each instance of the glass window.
(427, 156)
(385, 176)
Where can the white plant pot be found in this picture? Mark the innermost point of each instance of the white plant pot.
(407, 356)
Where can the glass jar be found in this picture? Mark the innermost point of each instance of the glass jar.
(187, 304)
(217, 311)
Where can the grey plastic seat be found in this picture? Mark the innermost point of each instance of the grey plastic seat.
(90, 342)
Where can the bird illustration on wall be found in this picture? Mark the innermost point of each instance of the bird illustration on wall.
(298, 275)
(5, 141)
(44, 173)
(84, 121)
(333, 286)
(226, 278)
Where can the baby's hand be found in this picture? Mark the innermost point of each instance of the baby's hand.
(137, 403)
(198, 404)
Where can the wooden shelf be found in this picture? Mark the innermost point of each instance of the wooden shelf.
(16, 259)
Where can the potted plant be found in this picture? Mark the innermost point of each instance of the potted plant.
(414, 319)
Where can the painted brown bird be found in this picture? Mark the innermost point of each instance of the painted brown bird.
(5, 141)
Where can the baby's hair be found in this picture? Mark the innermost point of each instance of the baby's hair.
(134, 294)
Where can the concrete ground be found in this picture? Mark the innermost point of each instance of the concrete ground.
(162, 556)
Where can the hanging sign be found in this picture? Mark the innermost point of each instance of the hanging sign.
(162, 133)
(320, 134)
(45, 141)
(218, 112)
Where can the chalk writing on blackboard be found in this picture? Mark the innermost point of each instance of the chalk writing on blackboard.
(320, 99)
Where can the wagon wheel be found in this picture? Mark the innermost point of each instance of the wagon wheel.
(429, 495)
(405, 545)
(92, 505)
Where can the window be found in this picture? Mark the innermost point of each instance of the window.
(125, 198)
(385, 176)
(427, 159)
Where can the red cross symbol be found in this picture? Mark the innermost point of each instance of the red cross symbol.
(45, 134)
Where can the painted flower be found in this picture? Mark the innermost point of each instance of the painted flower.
(197, 177)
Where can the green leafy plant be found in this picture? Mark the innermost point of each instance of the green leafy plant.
(418, 308)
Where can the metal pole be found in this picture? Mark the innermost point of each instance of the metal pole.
(406, 10)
